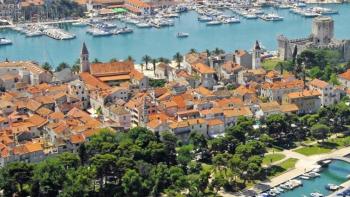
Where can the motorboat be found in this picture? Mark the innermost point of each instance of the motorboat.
(316, 194)
(211, 23)
(4, 41)
(182, 35)
(231, 20)
(204, 18)
(125, 30)
(271, 17)
(143, 25)
(304, 177)
(332, 187)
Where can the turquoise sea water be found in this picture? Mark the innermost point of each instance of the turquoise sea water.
(335, 173)
(164, 43)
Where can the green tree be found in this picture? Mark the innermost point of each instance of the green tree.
(146, 59)
(62, 66)
(50, 175)
(76, 66)
(79, 183)
(178, 59)
(105, 165)
(46, 66)
(14, 176)
(132, 184)
(320, 131)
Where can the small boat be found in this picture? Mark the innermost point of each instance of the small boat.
(271, 17)
(332, 187)
(182, 35)
(231, 20)
(4, 41)
(211, 23)
(125, 30)
(304, 177)
(316, 194)
(143, 25)
(204, 18)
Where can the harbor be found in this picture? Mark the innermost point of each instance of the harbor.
(231, 28)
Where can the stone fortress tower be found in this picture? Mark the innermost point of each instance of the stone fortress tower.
(322, 37)
(322, 30)
(84, 59)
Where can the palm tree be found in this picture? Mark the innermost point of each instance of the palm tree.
(75, 68)
(218, 51)
(146, 59)
(113, 60)
(154, 62)
(95, 61)
(130, 59)
(178, 59)
(193, 50)
(62, 66)
(208, 52)
(46, 66)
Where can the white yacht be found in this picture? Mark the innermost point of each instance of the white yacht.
(271, 17)
(4, 41)
(211, 23)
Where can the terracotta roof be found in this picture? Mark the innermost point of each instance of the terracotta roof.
(229, 102)
(136, 75)
(56, 115)
(37, 120)
(111, 68)
(138, 3)
(319, 83)
(215, 122)
(345, 75)
(204, 91)
(203, 69)
(154, 123)
(285, 108)
(283, 85)
(230, 66)
(304, 94)
(43, 111)
(114, 78)
(92, 81)
(270, 106)
(235, 112)
(77, 139)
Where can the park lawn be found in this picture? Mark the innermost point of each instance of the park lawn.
(274, 149)
(270, 64)
(313, 150)
(284, 166)
(271, 158)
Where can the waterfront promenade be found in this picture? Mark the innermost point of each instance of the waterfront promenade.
(43, 23)
(304, 164)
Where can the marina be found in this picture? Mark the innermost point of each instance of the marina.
(322, 183)
(156, 34)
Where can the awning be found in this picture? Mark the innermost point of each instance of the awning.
(119, 10)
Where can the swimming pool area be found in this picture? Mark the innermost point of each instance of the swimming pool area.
(336, 173)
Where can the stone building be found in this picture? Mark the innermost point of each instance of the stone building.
(321, 37)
